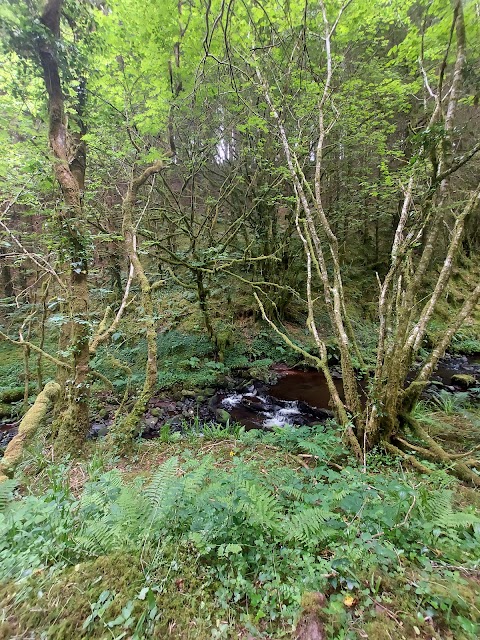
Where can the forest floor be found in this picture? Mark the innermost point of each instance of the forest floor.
(212, 531)
(233, 534)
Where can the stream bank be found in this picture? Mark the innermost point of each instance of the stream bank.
(297, 397)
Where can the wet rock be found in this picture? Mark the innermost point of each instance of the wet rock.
(98, 430)
(254, 402)
(175, 421)
(151, 422)
(167, 405)
(214, 402)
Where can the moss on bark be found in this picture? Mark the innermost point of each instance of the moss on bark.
(28, 426)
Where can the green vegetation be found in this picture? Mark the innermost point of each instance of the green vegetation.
(223, 537)
(198, 198)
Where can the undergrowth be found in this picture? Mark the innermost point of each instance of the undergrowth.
(223, 543)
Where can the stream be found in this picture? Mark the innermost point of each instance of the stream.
(302, 397)
(297, 398)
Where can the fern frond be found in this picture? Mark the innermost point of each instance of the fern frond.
(97, 537)
(195, 481)
(6, 492)
(132, 505)
(161, 482)
(438, 509)
(306, 523)
(261, 506)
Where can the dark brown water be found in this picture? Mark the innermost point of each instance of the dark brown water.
(307, 386)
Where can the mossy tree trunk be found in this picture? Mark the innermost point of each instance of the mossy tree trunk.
(69, 166)
(29, 424)
(125, 429)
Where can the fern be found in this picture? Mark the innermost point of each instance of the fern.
(161, 481)
(194, 481)
(163, 490)
(7, 488)
(133, 507)
(437, 509)
(306, 524)
(97, 537)
(261, 506)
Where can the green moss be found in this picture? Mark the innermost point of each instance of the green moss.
(312, 601)
(56, 608)
(464, 380)
(5, 411)
(12, 395)
(75, 588)
(383, 628)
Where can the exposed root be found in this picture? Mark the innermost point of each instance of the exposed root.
(310, 623)
(411, 460)
(352, 440)
(430, 455)
(458, 467)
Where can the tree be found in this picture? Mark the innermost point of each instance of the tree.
(403, 310)
(38, 37)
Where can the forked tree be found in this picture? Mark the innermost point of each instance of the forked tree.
(69, 162)
(410, 291)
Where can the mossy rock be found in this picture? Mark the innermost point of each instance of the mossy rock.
(223, 416)
(5, 411)
(12, 395)
(464, 380)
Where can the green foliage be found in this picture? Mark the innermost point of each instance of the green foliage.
(6, 492)
(450, 403)
(465, 342)
(263, 534)
(267, 342)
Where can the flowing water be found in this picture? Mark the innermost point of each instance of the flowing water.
(297, 398)
(302, 397)
(265, 407)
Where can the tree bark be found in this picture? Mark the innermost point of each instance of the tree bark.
(69, 167)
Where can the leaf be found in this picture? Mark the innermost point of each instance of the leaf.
(348, 601)
(143, 593)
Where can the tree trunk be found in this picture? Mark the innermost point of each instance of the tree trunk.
(123, 432)
(69, 167)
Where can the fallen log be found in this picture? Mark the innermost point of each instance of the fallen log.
(29, 424)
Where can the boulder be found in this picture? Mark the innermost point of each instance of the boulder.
(464, 380)
(222, 416)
